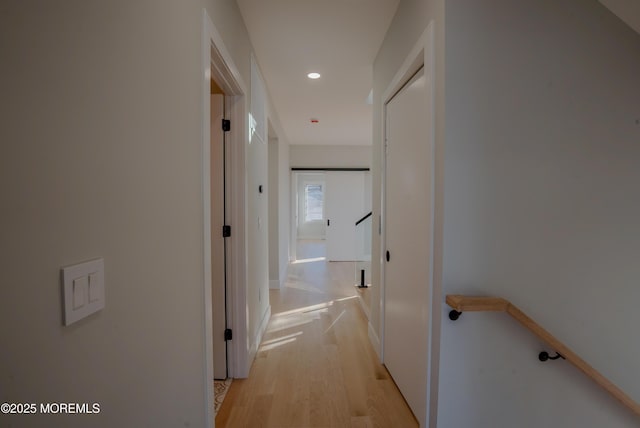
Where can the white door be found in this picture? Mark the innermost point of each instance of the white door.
(218, 293)
(344, 204)
(408, 237)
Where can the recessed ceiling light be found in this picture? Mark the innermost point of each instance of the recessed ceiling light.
(313, 75)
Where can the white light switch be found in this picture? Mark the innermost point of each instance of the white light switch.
(83, 286)
(80, 286)
(95, 287)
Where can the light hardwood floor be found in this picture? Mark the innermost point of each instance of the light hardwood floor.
(316, 366)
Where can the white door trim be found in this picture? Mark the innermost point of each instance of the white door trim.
(421, 55)
(293, 222)
(218, 64)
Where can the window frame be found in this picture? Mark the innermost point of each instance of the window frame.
(306, 193)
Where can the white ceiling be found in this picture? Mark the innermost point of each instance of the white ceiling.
(338, 39)
(627, 10)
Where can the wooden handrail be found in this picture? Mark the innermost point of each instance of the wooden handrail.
(497, 304)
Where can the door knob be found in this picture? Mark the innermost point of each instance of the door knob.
(388, 255)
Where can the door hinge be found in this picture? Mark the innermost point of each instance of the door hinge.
(226, 125)
(226, 231)
(228, 334)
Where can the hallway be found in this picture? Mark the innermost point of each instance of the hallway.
(315, 366)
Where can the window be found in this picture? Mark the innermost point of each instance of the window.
(313, 201)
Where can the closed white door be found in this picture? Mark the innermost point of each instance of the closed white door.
(344, 205)
(408, 237)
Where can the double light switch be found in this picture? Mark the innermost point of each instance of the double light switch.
(83, 290)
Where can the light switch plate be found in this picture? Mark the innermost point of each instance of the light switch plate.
(83, 290)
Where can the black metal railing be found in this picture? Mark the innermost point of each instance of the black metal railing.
(363, 248)
(364, 218)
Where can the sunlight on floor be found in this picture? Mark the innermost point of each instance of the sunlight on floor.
(277, 344)
(301, 316)
(315, 259)
(288, 336)
(268, 345)
(294, 320)
(335, 321)
(302, 310)
(305, 286)
(312, 308)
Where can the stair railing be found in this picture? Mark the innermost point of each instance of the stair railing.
(366, 216)
(462, 304)
(363, 249)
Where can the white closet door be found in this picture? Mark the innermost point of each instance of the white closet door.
(408, 237)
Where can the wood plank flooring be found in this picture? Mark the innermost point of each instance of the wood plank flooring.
(316, 367)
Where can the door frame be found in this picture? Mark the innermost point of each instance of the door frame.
(218, 64)
(293, 222)
(223, 162)
(421, 55)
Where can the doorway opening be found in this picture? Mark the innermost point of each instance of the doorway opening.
(309, 197)
(221, 75)
(219, 232)
(329, 204)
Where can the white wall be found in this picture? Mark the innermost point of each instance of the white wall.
(541, 207)
(279, 209)
(272, 191)
(284, 211)
(409, 23)
(258, 226)
(280, 176)
(101, 156)
(303, 156)
(257, 214)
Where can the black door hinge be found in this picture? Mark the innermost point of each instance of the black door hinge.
(228, 334)
(226, 231)
(226, 125)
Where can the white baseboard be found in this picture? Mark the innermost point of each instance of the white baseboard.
(375, 341)
(263, 326)
(364, 307)
(274, 284)
(253, 350)
(284, 274)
